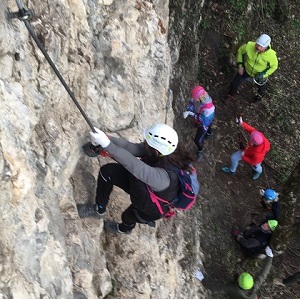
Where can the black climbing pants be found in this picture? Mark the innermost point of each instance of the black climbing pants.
(200, 136)
(114, 174)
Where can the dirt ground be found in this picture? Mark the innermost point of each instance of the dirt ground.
(228, 200)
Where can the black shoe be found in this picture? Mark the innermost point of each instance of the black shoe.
(91, 150)
(113, 227)
(90, 211)
(257, 98)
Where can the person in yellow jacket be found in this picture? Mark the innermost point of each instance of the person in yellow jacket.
(256, 61)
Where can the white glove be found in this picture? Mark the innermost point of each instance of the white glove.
(262, 192)
(198, 274)
(239, 120)
(268, 251)
(187, 113)
(99, 138)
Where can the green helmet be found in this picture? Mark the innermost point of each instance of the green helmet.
(273, 224)
(246, 281)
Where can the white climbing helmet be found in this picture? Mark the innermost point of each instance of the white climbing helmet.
(161, 137)
(264, 40)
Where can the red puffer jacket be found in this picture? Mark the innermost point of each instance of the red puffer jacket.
(255, 154)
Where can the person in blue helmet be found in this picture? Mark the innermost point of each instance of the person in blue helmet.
(270, 202)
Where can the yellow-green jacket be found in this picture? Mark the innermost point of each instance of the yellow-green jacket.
(255, 63)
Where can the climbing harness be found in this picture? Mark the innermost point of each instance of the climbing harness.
(25, 16)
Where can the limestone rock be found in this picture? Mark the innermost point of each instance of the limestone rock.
(114, 56)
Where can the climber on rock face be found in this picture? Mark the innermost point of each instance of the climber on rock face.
(157, 153)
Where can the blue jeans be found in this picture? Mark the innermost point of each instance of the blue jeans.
(238, 79)
(236, 157)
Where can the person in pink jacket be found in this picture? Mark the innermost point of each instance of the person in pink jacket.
(253, 154)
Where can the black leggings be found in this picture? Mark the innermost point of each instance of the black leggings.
(200, 136)
(114, 174)
(238, 79)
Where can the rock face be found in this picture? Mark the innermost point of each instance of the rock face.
(114, 56)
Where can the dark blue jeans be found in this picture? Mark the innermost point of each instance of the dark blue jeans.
(238, 79)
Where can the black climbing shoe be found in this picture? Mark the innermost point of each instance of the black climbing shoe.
(88, 210)
(113, 227)
(91, 150)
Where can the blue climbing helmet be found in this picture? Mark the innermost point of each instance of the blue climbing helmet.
(270, 194)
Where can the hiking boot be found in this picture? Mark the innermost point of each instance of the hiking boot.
(91, 211)
(256, 175)
(227, 170)
(235, 231)
(113, 227)
(199, 156)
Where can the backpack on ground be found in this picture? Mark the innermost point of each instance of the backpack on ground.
(187, 193)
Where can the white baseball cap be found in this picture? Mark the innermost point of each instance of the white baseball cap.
(264, 40)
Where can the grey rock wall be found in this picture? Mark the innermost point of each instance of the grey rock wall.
(114, 55)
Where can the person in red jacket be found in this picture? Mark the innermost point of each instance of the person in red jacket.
(253, 154)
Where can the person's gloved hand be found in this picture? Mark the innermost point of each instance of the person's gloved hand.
(198, 274)
(268, 251)
(99, 138)
(187, 113)
(262, 192)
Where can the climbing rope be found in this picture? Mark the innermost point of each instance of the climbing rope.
(25, 16)
(260, 83)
